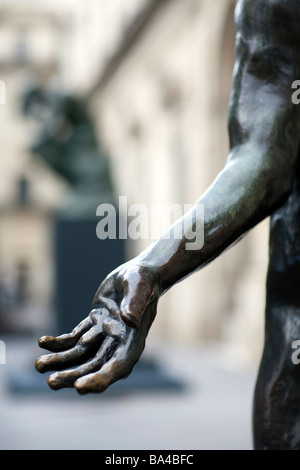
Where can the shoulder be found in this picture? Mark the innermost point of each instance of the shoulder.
(270, 23)
(279, 14)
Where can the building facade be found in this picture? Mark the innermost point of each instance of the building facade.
(158, 83)
(162, 113)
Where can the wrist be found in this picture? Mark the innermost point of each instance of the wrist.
(156, 265)
(148, 271)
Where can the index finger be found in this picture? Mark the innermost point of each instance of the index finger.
(119, 366)
(66, 341)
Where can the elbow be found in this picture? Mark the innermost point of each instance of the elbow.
(280, 184)
(277, 182)
(262, 174)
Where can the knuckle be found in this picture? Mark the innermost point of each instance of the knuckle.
(96, 315)
(114, 328)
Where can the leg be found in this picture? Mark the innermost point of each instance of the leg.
(276, 418)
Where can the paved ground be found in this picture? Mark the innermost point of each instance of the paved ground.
(211, 411)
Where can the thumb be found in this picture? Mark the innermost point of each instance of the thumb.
(136, 297)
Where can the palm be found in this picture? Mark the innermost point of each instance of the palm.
(106, 345)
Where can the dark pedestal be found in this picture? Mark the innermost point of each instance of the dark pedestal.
(82, 261)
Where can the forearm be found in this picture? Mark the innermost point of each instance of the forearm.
(264, 128)
(243, 194)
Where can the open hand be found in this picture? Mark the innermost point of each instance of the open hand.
(107, 344)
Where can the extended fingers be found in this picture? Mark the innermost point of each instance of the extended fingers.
(99, 381)
(68, 377)
(66, 341)
(83, 350)
(118, 367)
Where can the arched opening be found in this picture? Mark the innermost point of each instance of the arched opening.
(2, 353)
(227, 60)
(2, 92)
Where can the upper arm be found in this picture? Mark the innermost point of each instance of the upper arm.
(261, 113)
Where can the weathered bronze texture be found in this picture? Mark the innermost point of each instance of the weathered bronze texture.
(261, 178)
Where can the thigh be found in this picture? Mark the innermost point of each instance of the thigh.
(276, 416)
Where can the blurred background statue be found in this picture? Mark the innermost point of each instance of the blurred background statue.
(67, 142)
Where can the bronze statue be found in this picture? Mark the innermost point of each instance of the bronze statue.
(67, 141)
(261, 178)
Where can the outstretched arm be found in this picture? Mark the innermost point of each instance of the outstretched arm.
(264, 142)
